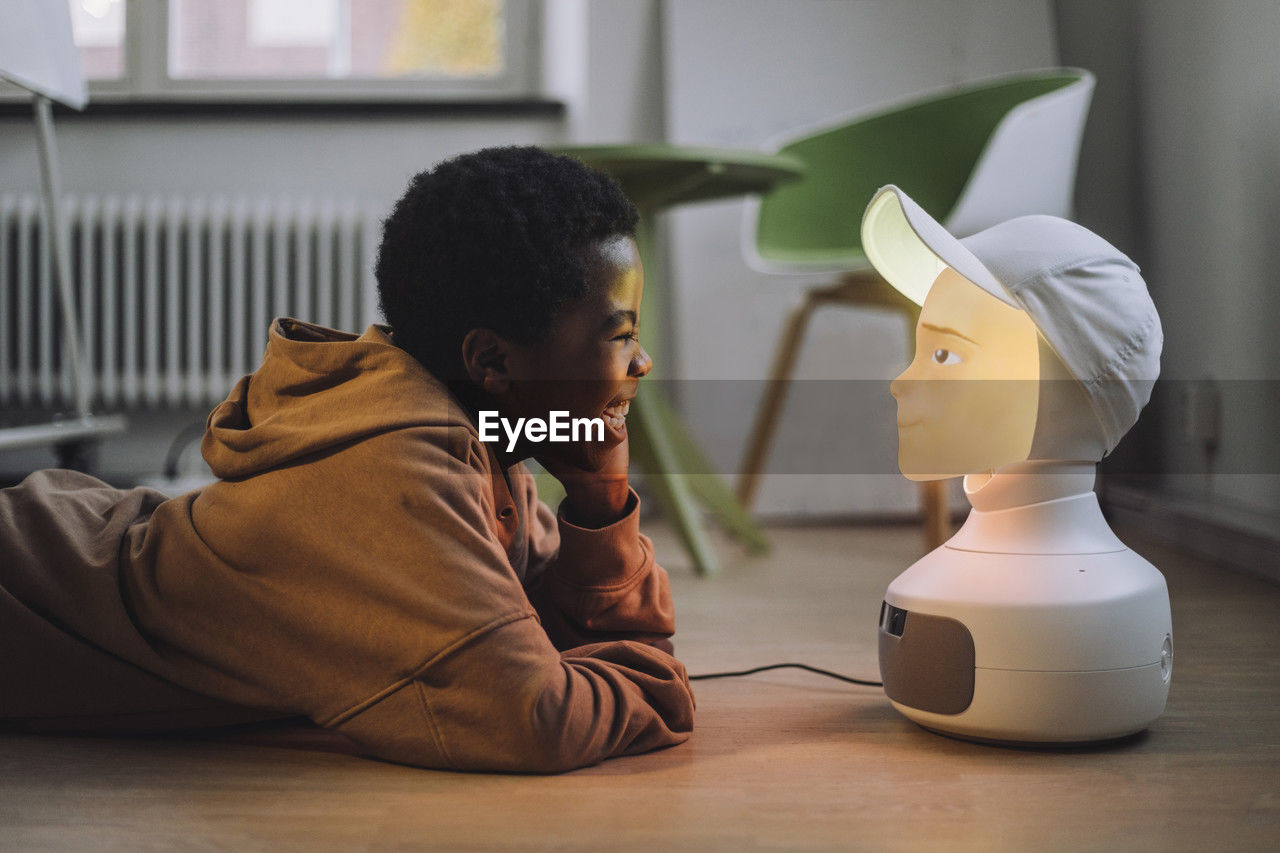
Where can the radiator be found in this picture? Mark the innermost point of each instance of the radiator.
(174, 295)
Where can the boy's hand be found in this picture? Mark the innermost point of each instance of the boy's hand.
(596, 498)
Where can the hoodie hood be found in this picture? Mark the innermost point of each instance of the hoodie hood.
(318, 388)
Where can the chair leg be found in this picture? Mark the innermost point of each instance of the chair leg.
(937, 521)
(766, 421)
(707, 485)
(652, 448)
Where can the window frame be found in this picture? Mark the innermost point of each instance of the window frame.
(146, 79)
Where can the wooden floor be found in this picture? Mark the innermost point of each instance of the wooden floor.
(779, 760)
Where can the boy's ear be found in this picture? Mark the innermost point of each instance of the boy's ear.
(484, 354)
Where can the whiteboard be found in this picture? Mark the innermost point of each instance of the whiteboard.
(37, 51)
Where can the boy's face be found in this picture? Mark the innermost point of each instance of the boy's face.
(590, 361)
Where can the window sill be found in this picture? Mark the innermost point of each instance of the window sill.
(300, 108)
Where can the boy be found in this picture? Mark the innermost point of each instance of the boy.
(365, 560)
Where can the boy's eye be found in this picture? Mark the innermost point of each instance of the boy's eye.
(945, 356)
(632, 335)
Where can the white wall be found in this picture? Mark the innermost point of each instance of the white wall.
(1211, 168)
(1197, 169)
(739, 73)
(344, 156)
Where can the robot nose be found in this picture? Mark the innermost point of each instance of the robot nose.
(898, 387)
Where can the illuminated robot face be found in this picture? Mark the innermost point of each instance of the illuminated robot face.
(967, 403)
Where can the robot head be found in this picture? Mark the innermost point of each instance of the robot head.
(1048, 327)
(968, 400)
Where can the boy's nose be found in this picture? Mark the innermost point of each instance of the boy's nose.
(641, 363)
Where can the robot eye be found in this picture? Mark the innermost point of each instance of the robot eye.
(945, 356)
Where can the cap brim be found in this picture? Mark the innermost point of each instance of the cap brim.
(909, 248)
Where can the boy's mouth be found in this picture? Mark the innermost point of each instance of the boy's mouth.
(616, 415)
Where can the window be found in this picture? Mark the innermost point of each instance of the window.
(257, 50)
(98, 28)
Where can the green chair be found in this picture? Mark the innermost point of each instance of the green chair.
(971, 156)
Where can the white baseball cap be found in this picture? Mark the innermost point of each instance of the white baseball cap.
(1086, 297)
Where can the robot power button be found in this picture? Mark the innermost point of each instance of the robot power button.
(1166, 658)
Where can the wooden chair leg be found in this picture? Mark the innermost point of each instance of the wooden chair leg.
(775, 393)
(937, 520)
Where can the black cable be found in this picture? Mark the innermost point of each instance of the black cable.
(803, 666)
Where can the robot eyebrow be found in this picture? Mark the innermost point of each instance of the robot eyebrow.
(947, 330)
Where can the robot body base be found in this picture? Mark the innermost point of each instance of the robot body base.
(1042, 648)
(1053, 708)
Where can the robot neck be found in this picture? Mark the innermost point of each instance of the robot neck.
(1030, 482)
(1035, 507)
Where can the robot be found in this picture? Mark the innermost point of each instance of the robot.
(1036, 348)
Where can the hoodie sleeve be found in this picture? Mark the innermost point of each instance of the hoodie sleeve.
(595, 584)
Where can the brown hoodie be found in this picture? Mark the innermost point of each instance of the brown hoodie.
(363, 561)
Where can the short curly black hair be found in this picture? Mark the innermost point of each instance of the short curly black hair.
(494, 239)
